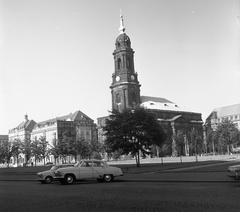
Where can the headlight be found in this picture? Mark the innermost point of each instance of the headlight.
(39, 174)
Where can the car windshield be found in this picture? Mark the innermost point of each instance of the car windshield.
(53, 168)
(78, 163)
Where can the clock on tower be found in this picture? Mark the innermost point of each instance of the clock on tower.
(125, 87)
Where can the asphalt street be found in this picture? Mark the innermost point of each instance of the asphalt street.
(174, 187)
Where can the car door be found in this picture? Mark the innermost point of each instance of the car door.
(86, 170)
(98, 169)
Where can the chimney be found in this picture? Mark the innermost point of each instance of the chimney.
(26, 118)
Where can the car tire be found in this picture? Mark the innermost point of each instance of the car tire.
(48, 179)
(69, 179)
(108, 178)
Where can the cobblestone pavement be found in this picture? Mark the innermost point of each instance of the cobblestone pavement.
(120, 196)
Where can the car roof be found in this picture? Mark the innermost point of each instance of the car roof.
(92, 160)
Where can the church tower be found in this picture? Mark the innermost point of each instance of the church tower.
(125, 87)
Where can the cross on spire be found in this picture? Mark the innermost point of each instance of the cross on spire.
(122, 28)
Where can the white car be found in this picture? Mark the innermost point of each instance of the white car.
(47, 177)
(87, 169)
(234, 172)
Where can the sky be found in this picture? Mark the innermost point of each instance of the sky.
(56, 55)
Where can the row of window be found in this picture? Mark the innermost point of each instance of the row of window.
(229, 118)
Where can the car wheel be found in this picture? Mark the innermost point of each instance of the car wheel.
(108, 178)
(69, 179)
(48, 179)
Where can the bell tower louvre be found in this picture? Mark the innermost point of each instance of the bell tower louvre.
(125, 87)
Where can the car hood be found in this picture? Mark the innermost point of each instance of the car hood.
(45, 172)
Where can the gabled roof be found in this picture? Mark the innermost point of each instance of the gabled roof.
(76, 116)
(226, 111)
(27, 125)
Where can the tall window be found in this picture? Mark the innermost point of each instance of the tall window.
(119, 63)
(118, 98)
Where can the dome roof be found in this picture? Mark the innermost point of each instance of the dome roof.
(122, 37)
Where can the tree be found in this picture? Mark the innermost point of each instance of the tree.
(195, 141)
(54, 149)
(227, 135)
(6, 151)
(132, 131)
(16, 148)
(179, 138)
(212, 140)
(26, 149)
(43, 145)
(35, 150)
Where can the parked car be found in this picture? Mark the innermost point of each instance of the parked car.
(87, 169)
(49, 164)
(47, 177)
(234, 172)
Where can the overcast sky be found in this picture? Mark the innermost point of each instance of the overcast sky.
(56, 55)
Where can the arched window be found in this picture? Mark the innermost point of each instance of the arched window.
(128, 63)
(119, 63)
(118, 98)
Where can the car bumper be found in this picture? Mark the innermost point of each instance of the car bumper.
(233, 175)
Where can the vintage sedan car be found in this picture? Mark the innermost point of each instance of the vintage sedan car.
(234, 172)
(47, 177)
(87, 169)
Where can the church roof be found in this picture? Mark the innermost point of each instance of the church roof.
(154, 99)
(157, 103)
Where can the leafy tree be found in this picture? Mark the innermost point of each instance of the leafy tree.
(195, 141)
(26, 149)
(212, 140)
(7, 151)
(179, 139)
(227, 135)
(132, 131)
(97, 150)
(16, 148)
(43, 145)
(35, 150)
(54, 149)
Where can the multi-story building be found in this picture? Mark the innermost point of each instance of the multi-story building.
(22, 131)
(75, 124)
(231, 112)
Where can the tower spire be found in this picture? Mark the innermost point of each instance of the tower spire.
(122, 28)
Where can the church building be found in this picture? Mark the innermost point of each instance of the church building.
(125, 90)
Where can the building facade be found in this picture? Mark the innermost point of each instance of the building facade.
(174, 118)
(77, 124)
(230, 112)
(22, 131)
